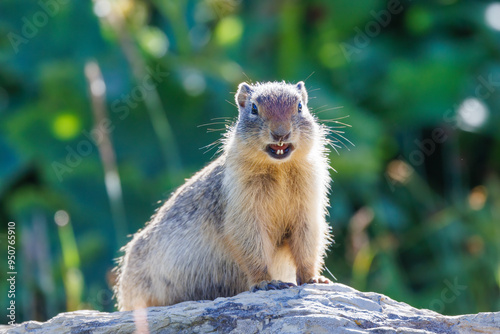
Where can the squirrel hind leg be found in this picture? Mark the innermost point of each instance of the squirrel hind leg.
(132, 295)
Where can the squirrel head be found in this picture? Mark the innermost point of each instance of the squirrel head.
(274, 121)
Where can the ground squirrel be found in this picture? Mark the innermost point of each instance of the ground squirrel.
(253, 219)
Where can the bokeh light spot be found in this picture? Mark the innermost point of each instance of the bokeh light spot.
(477, 197)
(61, 218)
(229, 30)
(98, 87)
(102, 8)
(154, 41)
(399, 171)
(492, 15)
(231, 71)
(66, 126)
(472, 114)
(199, 36)
(194, 83)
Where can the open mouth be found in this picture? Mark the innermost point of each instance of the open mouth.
(279, 151)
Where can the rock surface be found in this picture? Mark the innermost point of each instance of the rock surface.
(315, 308)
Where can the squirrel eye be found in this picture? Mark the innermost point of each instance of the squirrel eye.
(254, 109)
(299, 107)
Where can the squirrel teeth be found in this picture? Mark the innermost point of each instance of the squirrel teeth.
(279, 151)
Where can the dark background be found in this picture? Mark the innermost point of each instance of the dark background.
(415, 204)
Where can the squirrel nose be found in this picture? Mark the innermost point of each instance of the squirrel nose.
(280, 137)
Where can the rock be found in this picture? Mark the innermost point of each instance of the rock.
(315, 308)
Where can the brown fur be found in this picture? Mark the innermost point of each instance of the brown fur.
(245, 218)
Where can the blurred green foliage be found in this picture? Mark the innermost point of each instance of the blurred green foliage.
(415, 204)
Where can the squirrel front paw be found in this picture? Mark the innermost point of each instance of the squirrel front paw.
(271, 285)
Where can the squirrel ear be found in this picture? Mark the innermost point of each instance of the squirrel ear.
(301, 87)
(244, 90)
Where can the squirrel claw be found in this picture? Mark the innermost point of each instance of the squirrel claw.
(314, 280)
(319, 279)
(271, 285)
